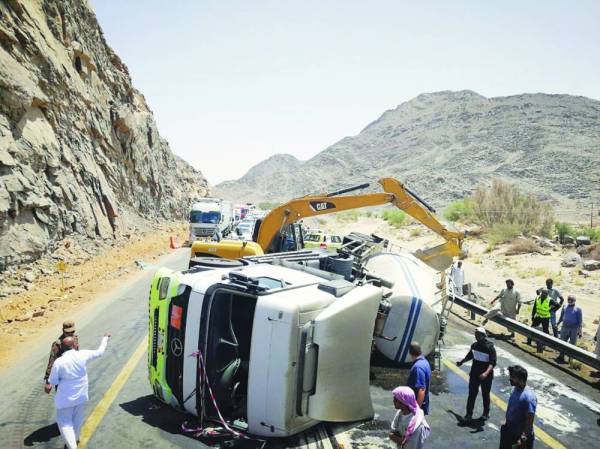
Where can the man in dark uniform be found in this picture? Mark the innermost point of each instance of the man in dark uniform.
(57, 349)
(483, 354)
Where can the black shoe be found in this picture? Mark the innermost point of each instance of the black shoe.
(484, 417)
(468, 417)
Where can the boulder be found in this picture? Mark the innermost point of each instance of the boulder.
(591, 265)
(571, 260)
(583, 240)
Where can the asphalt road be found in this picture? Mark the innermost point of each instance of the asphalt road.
(567, 408)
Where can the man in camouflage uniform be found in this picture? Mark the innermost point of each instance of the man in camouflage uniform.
(56, 350)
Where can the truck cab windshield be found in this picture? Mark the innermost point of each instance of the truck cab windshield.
(212, 217)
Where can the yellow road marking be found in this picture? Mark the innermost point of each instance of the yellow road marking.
(100, 410)
(539, 433)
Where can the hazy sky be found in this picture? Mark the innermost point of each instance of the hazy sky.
(233, 82)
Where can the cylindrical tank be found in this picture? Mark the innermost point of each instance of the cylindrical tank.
(414, 312)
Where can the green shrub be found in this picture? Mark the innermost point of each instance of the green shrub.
(395, 218)
(592, 233)
(321, 221)
(504, 204)
(564, 229)
(459, 210)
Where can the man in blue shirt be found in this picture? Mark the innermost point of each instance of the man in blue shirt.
(518, 428)
(571, 318)
(483, 354)
(419, 376)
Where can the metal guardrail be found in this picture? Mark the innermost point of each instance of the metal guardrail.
(585, 357)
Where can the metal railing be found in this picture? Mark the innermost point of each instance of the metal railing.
(575, 352)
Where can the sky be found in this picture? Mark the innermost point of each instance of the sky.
(234, 82)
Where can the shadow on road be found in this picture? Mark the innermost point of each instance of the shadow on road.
(156, 414)
(475, 424)
(42, 435)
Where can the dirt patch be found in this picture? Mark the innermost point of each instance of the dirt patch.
(25, 315)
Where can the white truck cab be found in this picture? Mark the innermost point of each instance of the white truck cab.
(283, 348)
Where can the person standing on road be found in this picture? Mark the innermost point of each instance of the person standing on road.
(69, 373)
(458, 278)
(597, 352)
(483, 354)
(540, 315)
(571, 318)
(68, 330)
(555, 295)
(419, 377)
(510, 304)
(409, 428)
(517, 431)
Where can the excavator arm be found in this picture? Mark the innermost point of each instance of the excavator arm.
(395, 193)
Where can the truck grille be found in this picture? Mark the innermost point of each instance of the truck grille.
(200, 232)
(154, 338)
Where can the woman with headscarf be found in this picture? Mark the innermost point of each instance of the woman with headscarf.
(409, 428)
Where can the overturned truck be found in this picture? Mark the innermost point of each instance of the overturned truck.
(277, 343)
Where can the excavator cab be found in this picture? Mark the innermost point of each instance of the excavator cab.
(290, 238)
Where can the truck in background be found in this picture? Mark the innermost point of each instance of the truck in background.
(210, 216)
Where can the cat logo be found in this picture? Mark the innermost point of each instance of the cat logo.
(319, 206)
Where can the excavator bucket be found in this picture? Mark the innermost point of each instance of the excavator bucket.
(439, 257)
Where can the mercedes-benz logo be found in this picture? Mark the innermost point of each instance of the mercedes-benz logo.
(176, 347)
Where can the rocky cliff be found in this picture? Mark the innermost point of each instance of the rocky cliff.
(443, 144)
(79, 148)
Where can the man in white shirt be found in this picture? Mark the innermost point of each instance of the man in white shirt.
(69, 373)
(458, 278)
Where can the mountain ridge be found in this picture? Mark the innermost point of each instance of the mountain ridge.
(445, 143)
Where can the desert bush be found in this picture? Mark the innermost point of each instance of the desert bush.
(504, 204)
(459, 210)
(395, 218)
(348, 216)
(321, 221)
(268, 205)
(415, 232)
(501, 233)
(523, 246)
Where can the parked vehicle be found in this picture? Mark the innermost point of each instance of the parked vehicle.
(322, 240)
(210, 216)
(244, 229)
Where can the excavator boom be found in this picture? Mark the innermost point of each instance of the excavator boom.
(314, 205)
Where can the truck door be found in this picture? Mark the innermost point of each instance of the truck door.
(342, 337)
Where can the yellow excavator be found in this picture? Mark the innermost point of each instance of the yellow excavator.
(280, 230)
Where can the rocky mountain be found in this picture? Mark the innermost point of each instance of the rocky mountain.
(79, 149)
(443, 144)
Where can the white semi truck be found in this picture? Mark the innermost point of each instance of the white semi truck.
(210, 216)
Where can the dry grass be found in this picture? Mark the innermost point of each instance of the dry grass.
(523, 246)
(504, 204)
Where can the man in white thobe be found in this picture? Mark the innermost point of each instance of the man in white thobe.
(458, 278)
(69, 373)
